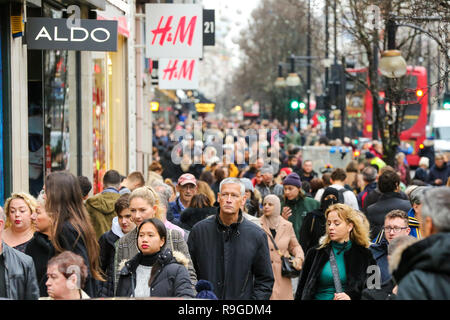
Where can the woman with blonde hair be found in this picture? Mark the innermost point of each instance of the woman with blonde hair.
(337, 268)
(144, 203)
(205, 189)
(18, 227)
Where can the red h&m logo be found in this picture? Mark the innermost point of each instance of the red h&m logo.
(181, 31)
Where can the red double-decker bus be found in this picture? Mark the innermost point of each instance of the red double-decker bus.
(415, 100)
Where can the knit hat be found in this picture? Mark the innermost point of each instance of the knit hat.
(293, 180)
(287, 170)
(248, 184)
(205, 290)
(266, 169)
(369, 155)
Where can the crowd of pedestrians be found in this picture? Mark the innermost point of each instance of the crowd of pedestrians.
(230, 228)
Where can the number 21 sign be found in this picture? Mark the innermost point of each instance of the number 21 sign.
(173, 30)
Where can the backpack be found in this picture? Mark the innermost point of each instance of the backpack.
(341, 192)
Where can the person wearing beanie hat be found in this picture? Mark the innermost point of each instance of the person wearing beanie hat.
(281, 232)
(295, 205)
(204, 290)
(268, 185)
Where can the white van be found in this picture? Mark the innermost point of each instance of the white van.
(439, 128)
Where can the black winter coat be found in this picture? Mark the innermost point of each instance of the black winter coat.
(374, 196)
(386, 203)
(71, 240)
(424, 270)
(356, 259)
(439, 173)
(235, 258)
(107, 251)
(190, 216)
(384, 293)
(40, 248)
(313, 227)
(169, 278)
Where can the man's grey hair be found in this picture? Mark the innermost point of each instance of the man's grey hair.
(436, 205)
(163, 200)
(400, 242)
(369, 174)
(232, 181)
(164, 192)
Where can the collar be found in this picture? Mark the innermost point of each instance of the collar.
(115, 228)
(180, 204)
(110, 189)
(233, 225)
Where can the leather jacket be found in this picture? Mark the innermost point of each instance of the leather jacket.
(20, 275)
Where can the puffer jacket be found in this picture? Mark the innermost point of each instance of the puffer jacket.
(101, 210)
(20, 275)
(168, 278)
(424, 269)
(126, 249)
(235, 258)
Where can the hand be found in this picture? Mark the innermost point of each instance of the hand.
(438, 182)
(395, 290)
(341, 296)
(286, 213)
(297, 263)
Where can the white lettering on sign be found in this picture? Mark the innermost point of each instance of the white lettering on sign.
(178, 73)
(56, 36)
(100, 29)
(174, 30)
(72, 36)
(43, 33)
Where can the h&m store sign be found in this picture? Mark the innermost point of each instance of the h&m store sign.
(58, 34)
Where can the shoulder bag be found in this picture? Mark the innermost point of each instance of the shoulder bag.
(287, 266)
(335, 270)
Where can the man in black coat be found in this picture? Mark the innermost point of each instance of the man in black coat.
(230, 251)
(388, 184)
(439, 172)
(424, 270)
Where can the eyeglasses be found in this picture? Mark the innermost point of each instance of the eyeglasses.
(395, 229)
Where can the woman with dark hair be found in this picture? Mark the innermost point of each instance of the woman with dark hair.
(313, 226)
(154, 271)
(294, 205)
(316, 184)
(219, 175)
(72, 229)
(199, 209)
(207, 177)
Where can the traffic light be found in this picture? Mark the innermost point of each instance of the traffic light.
(446, 102)
(154, 106)
(294, 104)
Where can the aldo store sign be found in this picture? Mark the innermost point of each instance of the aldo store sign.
(57, 34)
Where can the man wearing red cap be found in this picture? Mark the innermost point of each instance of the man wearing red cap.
(187, 188)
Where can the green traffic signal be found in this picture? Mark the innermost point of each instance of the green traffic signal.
(446, 102)
(294, 104)
(302, 105)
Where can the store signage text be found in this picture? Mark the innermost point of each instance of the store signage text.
(175, 30)
(178, 73)
(91, 35)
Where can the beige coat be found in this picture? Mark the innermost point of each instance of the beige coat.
(288, 244)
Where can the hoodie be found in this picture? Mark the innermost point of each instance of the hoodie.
(101, 210)
(423, 272)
